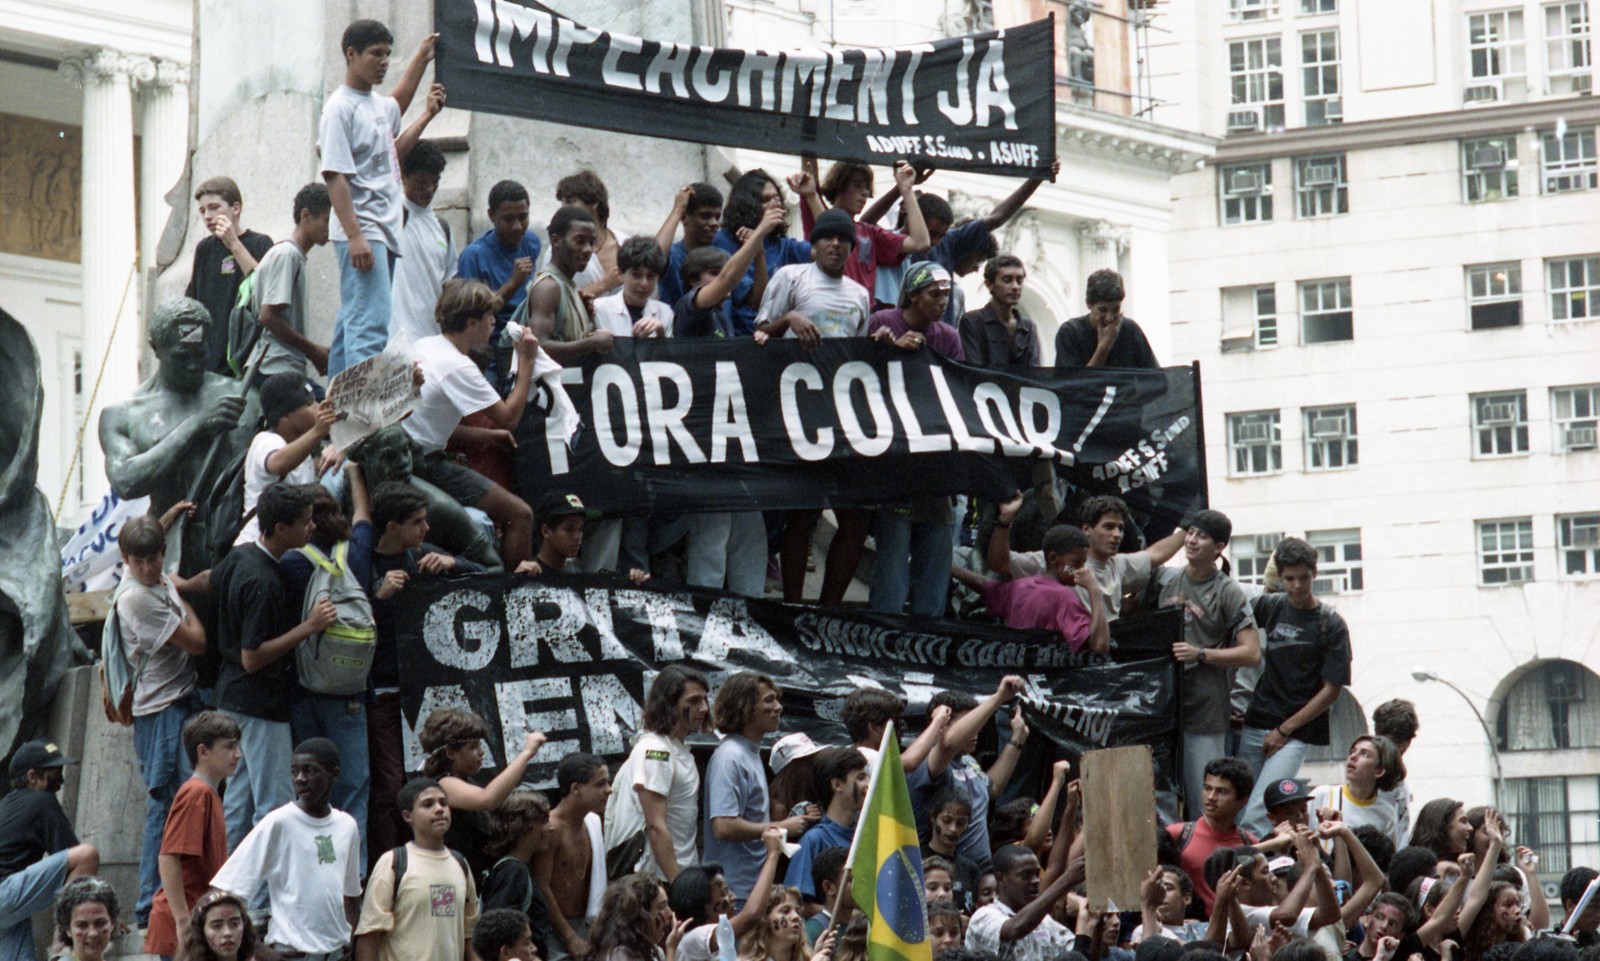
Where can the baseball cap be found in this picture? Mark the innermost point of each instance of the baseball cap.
(1280, 865)
(1286, 791)
(560, 504)
(283, 394)
(792, 747)
(37, 756)
(923, 274)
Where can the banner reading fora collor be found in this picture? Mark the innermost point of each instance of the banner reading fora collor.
(983, 102)
(719, 425)
(573, 656)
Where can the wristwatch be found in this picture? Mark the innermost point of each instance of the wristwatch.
(1202, 658)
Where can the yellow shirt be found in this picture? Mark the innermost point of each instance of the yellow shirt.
(434, 914)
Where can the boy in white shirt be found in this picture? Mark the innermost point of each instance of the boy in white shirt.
(633, 310)
(308, 854)
(454, 386)
(431, 252)
(296, 425)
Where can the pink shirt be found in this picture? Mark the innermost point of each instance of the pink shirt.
(1040, 602)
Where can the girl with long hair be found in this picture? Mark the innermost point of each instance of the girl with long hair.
(628, 927)
(1491, 911)
(86, 918)
(1443, 827)
(219, 930)
(779, 934)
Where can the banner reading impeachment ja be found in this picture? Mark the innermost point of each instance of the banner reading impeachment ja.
(983, 102)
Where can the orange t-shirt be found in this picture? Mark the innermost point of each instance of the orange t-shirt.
(196, 833)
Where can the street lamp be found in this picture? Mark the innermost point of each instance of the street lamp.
(1494, 749)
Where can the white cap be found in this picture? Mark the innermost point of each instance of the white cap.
(792, 747)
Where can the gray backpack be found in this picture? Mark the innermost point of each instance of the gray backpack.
(337, 660)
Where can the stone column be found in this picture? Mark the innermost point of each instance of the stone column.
(111, 325)
(1100, 243)
(163, 149)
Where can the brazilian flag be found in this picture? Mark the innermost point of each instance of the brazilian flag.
(886, 865)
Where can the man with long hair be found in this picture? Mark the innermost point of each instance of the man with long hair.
(652, 816)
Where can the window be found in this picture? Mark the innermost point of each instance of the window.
(1569, 162)
(1319, 6)
(1489, 168)
(1566, 37)
(1505, 551)
(1556, 816)
(1338, 561)
(1246, 192)
(1325, 313)
(1250, 553)
(1553, 707)
(1252, 9)
(1330, 437)
(1249, 318)
(1494, 295)
(1319, 71)
(1500, 422)
(1346, 722)
(1255, 442)
(1575, 412)
(1320, 187)
(1494, 44)
(1574, 288)
(1578, 540)
(1255, 68)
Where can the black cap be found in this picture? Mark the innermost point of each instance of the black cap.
(834, 223)
(1214, 524)
(1286, 791)
(37, 756)
(560, 504)
(283, 394)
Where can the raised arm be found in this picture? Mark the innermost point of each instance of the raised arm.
(1039, 824)
(1067, 842)
(880, 205)
(507, 411)
(1006, 764)
(998, 554)
(1007, 208)
(917, 241)
(467, 796)
(969, 724)
(734, 269)
(1369, 877)
(1478, 893)
(408, 137)
(805, 184)
(669, 227)
(1165, 549)
(412, 78)
(1021, 924)
(913, 756)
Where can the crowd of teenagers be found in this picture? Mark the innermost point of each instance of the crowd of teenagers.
(284, 821)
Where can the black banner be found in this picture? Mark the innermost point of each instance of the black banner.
(984, 102)
(717, 425)
(573, 655)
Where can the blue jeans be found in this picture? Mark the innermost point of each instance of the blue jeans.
(262, 781)
(728, 550)
(1282, 766)
(362, 326)
(913, 560)
(342, 720)
(23, 895)
(164, 766)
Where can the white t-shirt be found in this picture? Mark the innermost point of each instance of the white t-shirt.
(665, 766)
(1381, 812)
(149, 617)
(1122, 574)
(452, 388)
(257, 478)
(430, 260)
(1262, 916)
(1183, 933)
(611, 313)
(838, 306)
(1045, 942)
(356, 136)
(310, 866)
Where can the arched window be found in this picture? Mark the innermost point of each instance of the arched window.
(1553, 707)
(1346, 722)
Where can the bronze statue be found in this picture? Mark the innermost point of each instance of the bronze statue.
(36, 640)
(180, 431)
(386, 456)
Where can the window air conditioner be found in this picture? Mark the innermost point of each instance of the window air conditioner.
(1585, 536)
(1243, 183)
(1578, 438)
(1321, 175)
(1244, 121)
(1266, 542)
(1487, 158)
(1327, 427)
(1487, 91)
(1498, 414)
(1583, 83)
(1251, 433)
(1331, 584)
(1333, 112)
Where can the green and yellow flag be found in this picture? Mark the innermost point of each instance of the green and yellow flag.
(886, 864)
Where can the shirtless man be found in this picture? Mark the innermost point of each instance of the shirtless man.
(566, 869)
(158, 441)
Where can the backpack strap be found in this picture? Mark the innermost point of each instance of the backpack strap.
(1186, 835)
(319, 559)
(400, 863)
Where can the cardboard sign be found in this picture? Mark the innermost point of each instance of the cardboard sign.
(1119, 814)
(373, 394)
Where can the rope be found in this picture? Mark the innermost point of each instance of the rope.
(88, 409)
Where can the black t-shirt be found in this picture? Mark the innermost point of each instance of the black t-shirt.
(32, 827)
(386, 658)
(1303, 649)
(215, 283)
(1076, 340)
(255, 608)
(691, 320)
(469, 833)
(509, 884)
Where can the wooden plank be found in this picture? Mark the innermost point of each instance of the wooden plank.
(1119, 819)
(88, 608)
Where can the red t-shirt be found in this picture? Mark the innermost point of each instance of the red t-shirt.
(1040, 601)
(1202, 842)
(196, 833)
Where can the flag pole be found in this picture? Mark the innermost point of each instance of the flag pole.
(855, 836)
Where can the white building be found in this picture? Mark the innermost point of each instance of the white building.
(1390, 273)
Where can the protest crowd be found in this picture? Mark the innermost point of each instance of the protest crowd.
(283, 821)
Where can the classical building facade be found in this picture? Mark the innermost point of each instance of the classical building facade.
(1390, 273)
